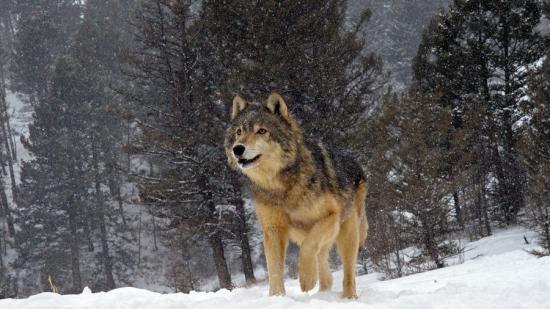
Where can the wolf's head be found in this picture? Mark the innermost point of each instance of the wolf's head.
(261, 140)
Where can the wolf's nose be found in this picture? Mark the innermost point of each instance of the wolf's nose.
(238, 150)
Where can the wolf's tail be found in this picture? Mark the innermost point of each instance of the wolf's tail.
(359, 205)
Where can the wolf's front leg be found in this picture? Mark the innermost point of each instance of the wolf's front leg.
(321, 234)
(275, 244)
(275, 226)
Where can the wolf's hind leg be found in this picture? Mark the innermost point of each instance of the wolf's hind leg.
(325, 275)
(347, 243)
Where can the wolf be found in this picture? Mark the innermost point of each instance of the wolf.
(301, 192)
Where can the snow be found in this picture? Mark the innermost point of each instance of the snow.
(498, 273)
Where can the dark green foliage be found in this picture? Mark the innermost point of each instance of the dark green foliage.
(69, 185)
(303, 50)
(53, 193)
(47, 30)
(182, 130)
(409, 201)
(475, 59)
(537, 156)
(461, 170)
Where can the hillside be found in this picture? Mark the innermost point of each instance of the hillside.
(497, 273)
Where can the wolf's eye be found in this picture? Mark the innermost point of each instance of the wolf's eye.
(262, 131)
(239, 132)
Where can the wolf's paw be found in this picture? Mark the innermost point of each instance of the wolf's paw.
(277, 293)
(349, 294)
(325, 285)
(307, 273)
(307, 283)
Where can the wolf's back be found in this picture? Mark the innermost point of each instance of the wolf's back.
(350, 175)
(348, 171)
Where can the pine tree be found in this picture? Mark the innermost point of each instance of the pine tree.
(100, 48)
(75, 141)
(8, 280)
(305, 51)
(182, 127)
(411, 201)
(53, 184)
(44, 32)
(474, 60)
(6, 149)
(537, 156)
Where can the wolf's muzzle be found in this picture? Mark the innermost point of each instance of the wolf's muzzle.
(245, 162)
(238, 150)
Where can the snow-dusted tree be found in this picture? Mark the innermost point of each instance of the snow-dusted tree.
(71, 188)
(53, 188)
(182, 128)
(304, 50)
(44, 32)
(8, 154)
(475, 59)
(411, 203)
(537, 156)
(386, 236)
(98, 51)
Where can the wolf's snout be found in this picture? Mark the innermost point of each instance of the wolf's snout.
(238, 150)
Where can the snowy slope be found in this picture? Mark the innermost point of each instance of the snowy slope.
(498, 273)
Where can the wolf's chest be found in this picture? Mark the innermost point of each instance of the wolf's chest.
(307, 212)
(303, 208)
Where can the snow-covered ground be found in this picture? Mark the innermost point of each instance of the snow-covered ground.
(498, 273)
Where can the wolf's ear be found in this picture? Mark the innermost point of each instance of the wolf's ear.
(238, 105)
(277, 105)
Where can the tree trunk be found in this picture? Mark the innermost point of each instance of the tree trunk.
(2, 241)
(139, 238)
(546, 226)
(154, 233)
(4, 120)
(9, 156)
(88, 232)
(186, 285)
(75, 254)
(458, 210)
(6, 208)
(1, 251)
(429, 243)
(105, 258)
(121, 205)
(510, 186)
(114, 188)
(224, 277)
(2, 164)
(399, 265)
(246, 256)
(485, 213)
(214, 237)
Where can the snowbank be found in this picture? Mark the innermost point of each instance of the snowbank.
(498, 273)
